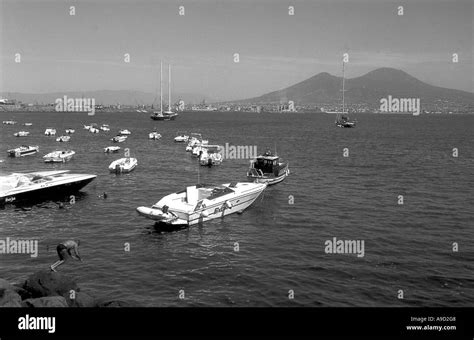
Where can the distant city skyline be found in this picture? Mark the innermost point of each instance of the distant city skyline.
(86, 52)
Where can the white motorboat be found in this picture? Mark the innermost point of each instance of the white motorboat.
(111, 149)
(60, 156)
(211, 155)
(23, 150)
(200, 203)
(21, 134)
(105, 127)
(9, 122)
(18, 187)
(182, 138)
(119, 139)
(28, 124)
(124, 132)
(154, 135)
(93, 129)
(123, 165)
(87, 127)
(267, 168)
(50, 132)
(195, 139)
(70, 131)
(64, 138)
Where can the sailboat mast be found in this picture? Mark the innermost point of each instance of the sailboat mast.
(343, 80)
(161, 86)
(169, 87)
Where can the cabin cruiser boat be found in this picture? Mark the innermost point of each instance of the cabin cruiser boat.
(154, 135)
(21, 134)
(181, 138)
(59, 156)
(119, 139)
(267, 168)
(50, 132)
(123, 165)
(111, 149)
(210, 155)
(200, 203)
(70, 131)
(105, 127)
(9, 122)
(23, 150)
(124, 132)
(63, 139)
(18, 187)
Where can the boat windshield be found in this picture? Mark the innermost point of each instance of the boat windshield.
(213, 192)
(265, 164)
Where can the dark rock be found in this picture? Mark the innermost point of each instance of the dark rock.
(81, 300)
(9, 298)
(49, 283)
(50, 301)
(114, 303)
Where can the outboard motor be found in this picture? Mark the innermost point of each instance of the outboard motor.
(118, 169)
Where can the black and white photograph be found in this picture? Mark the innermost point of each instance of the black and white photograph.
(210, 160)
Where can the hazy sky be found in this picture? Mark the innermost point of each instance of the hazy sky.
(60, 52)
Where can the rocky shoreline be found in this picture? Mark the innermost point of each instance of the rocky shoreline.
(51, 289)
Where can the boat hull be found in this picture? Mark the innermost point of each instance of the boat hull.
(46, 193)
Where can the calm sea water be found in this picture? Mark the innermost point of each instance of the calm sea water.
(407, 247)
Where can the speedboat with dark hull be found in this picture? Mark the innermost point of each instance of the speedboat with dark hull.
(200, 203)
(42, 185)
(267, 168)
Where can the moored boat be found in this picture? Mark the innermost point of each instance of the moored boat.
(123, 165)
(119, 139)
(64, 138)
(70, 131)
(21, 134)
(154, 135)
(60, 156)
(111, 149)
(210, 155)
(50, 132)
(267, 168)
(105, 127)
(181, 138)
(20, 187)
(23, 150)
(124, 132)
(9, 122)
(200, 203)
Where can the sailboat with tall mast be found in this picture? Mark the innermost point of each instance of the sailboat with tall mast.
(167, 115)
(342, 119)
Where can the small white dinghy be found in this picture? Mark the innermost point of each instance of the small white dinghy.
(50, 132)
(124, 132)
(21, 134)
(70, 131)
(105, 127)
(111, 149)
(60, 156)
(154, 135)
(123, 165)
(119, 139)
(93, 130)
(63, 139)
